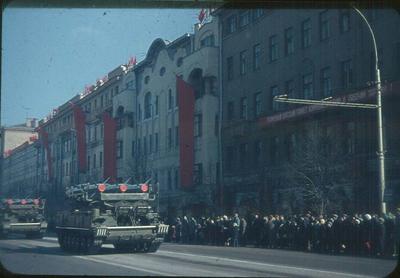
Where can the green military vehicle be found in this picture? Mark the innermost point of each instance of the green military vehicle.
(124, 215)
(22, 216)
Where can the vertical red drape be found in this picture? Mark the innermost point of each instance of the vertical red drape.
(186, 131)
(110, 148)
(79, 119)
(44, 136)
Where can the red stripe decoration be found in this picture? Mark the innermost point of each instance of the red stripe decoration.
(79, 119)
(110, 148)
(186, 131)
(45, 140)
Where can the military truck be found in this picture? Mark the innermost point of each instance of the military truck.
(22, 216)
(124, 215)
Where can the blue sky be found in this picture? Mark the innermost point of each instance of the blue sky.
(49, 55)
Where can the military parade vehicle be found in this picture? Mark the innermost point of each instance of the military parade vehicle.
(124, 215)
(22, 216)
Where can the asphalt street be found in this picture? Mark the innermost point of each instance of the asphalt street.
(44, 257)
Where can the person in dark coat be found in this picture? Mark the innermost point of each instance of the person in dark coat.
(380, 236)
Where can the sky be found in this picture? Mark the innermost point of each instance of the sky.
(49, 55)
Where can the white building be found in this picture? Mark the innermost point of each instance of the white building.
(194, 57)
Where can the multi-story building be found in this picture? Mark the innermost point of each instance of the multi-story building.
(307, 54)
(19, 177)
(82, 141)
(13, 136)
(177, 137)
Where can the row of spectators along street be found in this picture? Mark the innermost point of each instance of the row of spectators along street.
(356, 234)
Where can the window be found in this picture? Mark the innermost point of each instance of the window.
(139, 147)
(150, 143)
(256, 56)
(162, 71)
(308, 90)
(139, 112)
(156, 105)
(326, 84)
(257, 104)
(88, 162)
(347, 74)
(257, 13)
(273, 48)
(116, 90)
(230, 110)
(179, 62)
(324, 29)
(94, 161)
(147, 79)
(344, 21)
(274, 149)
(119, 149)
(216, 125)
(350, 143)
(275, 106)
(290, 143)
(229, 65)
(289, 41)
(169, 179)
(257, 153)
(101, 131)
(176, 136)
(208, 41)
(244, 18)
(198, 173)
(198, 121)
(156, 142)
(176, 178)
(243, 108)
(306, 33)
(169, 143)
(230, 158)
(231, 24)
(170, 100)
(242, 58)
(147, 105)
(243, 150)
(144, 145)
(289, 88)
(95, 133)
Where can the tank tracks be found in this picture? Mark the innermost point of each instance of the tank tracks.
(144, 247)
(86, 243)
(79, 242)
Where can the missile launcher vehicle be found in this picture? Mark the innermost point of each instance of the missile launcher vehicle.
(124, 215)
(22, 216)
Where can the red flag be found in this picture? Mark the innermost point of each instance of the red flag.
(186, 131)
(132, 61)
(110, 147)
(79, 120)
(202, 15)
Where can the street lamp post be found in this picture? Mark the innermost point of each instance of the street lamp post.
(378, 106)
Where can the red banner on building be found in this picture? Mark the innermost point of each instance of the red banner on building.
(186, 131)
(79, 119)
(110, 148)
(44, 136)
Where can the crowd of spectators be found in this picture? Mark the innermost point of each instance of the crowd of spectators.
(352, 234)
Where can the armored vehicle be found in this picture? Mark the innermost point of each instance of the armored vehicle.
(124, 215)
(22, 216)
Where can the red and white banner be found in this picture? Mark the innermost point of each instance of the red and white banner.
(44, 136)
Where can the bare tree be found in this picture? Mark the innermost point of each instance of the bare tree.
(316, 178)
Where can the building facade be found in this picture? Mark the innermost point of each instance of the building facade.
(10, 138)
(306, 54)
(158, 150)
